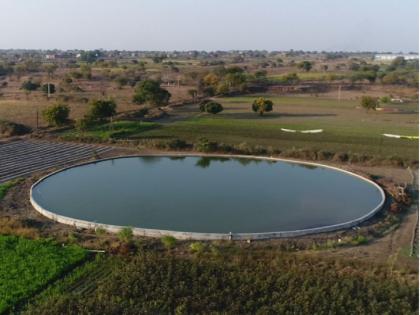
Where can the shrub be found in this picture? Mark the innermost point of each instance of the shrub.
(30, 86)
(177, 144)
(202, 105)
(100, 231)
(197, 247)
(8, 129)
(56, 115)
(168, 241)
(45, 88)
(211, 107)
(84, 123)
(359, 240)
(262, 105)
(125, 234)
(369, 102)
(385, 99)
(204, 145)
(102, 109)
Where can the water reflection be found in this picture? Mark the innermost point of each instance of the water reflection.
(149, 159)
(205, 161)
(174, 158)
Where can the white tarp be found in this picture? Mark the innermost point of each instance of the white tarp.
(303, 131)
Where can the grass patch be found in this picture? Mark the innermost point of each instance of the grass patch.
(27, 266)
(356, 138)
(7, 185)
(116, 130)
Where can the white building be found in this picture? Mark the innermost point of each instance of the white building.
(389, 57)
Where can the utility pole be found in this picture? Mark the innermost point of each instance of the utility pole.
(339, 92)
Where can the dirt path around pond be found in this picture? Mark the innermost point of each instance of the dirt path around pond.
(390, 249)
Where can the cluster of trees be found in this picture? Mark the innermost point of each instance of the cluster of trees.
(150, 92)
(223, 81)
(400, 71)
(99, 111)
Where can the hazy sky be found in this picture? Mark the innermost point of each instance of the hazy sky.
(382, 25)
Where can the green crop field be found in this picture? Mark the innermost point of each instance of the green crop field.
(28, 266)
(346, 128)
(217, 281)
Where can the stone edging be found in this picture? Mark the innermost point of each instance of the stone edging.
(209, 236)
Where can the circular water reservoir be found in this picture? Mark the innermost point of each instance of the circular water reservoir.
(207, 197)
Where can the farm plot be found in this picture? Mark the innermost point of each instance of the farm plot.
(23, 157)
(27, 266)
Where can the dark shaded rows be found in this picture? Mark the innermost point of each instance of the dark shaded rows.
(23, 157)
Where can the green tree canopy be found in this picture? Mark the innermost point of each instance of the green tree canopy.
(102, 109)
(56, 115)
(150, 92)
(211, 107)
(30, 85)
(262, 105)
(369, 102)
(305, 65)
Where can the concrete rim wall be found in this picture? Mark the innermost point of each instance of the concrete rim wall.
(208, 236)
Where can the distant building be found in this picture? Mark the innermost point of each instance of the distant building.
(389, 57)
(50, 56)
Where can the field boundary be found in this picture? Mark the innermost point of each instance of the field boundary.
(208, 236)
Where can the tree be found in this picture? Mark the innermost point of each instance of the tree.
(45, 88)
(56, 115)
(211, 107)
(262, 105)
(90, 56)
(102, 109)
(369, 102)
(150, 92)
(305, 65)
(30, 86)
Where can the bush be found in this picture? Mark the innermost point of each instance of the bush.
(125, 234)
(369, 102)
(99, 231)
(168, 241)
(177, 144)
(211, 107)
(8, 129)
(204, 145)
(359, 240)
(45, 88)
(197, 247)
(56, 115)
(202, 105)
(102, 109)
(262, 105)
(30, 86)
(385, 99)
